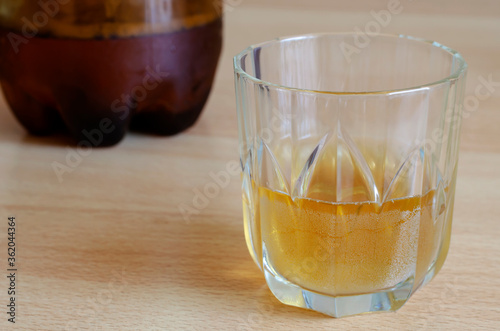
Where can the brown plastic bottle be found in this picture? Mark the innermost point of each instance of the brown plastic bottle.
(98, 67)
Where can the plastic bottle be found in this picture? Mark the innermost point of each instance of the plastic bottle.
(98, 67)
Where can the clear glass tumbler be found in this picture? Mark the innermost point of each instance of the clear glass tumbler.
(349, 154)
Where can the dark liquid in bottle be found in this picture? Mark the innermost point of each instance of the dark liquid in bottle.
(98, 88)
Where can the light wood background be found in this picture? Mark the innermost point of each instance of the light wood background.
(107, 248)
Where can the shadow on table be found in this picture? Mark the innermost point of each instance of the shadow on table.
(207, 259)
(226, 276)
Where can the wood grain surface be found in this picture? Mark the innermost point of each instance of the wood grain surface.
(106, 248)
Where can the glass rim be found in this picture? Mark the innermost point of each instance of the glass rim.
(461, 68)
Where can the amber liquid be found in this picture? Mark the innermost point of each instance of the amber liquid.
(347, 248)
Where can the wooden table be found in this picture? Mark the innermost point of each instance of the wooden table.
(107, 248)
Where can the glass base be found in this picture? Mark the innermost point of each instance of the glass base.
(386, 300)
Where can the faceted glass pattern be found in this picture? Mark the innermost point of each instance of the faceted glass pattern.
(349, 158)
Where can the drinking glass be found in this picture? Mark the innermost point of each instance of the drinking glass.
(349, 155)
